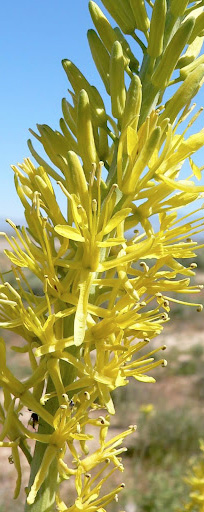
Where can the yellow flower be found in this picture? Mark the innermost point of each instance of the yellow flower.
(195, 481)
(105, 291)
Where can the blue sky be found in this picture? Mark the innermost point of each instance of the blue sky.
(34, 37)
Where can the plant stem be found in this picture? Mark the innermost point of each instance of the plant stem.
(45, 499)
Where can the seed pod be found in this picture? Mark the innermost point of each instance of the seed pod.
(156, 35)
(132, 104)
(117, 82)
(140, 15)
(167, 64)
(85, 135)
(100, 57)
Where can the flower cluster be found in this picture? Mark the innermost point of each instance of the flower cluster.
(195, 481)
(106, 272)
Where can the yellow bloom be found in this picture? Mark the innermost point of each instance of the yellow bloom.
(105, 272)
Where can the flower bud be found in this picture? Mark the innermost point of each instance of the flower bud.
(166, 66)
(156, 35)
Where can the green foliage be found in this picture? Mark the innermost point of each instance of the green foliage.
(165, 491)
(174, 432)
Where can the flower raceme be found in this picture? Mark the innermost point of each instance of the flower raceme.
(194, 480)
(107, 276)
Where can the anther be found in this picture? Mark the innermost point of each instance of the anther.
(87, 395)
(92, 174)
(200, 308)
(142, 304)
(164, 362)
(166, 303)
(133, 427)
(144, 266)
(100, 167)
(11, 223)
(94, 205)
(193, 265)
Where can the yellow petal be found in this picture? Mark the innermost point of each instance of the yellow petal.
(144, 378)
(86, 279)
(116, 219)
(196, 170)
(69, 232)
(184, 185)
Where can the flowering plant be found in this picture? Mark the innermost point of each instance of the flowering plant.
(194, 479)
(107, 273)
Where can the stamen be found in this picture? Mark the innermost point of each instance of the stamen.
(46, 294)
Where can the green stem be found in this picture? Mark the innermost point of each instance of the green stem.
(138, 41)
(45, 499)
(150, 100)
(150, 93)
